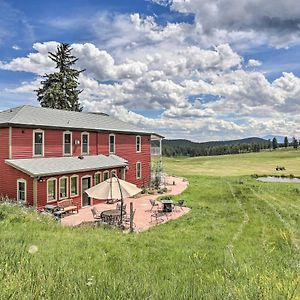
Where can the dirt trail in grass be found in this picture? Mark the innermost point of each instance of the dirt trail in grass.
(276, 211)
(229, 247)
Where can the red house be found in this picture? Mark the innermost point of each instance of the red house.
(47, 155)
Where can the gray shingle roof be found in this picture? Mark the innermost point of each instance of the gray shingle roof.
(65, 165)
(46, 117)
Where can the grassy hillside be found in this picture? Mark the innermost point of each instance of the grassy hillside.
(240, 241)
(236, 165)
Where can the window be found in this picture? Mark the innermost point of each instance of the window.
(84, 143)
(97, 178)
(38, 143)
(63, 187)
(67, 143)
(138, 170)
(51, 189)
(138, 143)
(105, 175)
(112, 141)
(74, 185)
(21, 190)
(113, 173)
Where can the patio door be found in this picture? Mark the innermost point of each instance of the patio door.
(85, 184)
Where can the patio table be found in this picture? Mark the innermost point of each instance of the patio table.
(167, 205)
(111, 216)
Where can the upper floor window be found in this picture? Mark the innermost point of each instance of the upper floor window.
(21, 190)
(113, 173)
(51, 189)
(138, 143)
(67, 143)
(85, 143)
(138, 170)
(112, 143)
(38, 142)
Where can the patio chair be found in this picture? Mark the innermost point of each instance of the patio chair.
(157, 216)
(119, 207)
(180, 204)
(153, 203)
(96, 214)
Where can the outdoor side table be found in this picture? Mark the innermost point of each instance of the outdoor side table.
(167, 205)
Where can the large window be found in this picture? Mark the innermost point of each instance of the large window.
(138, 143)
(63, 187)
(97, 178)
(38, 143)
(138, 170)
(112, 142)
(105, 175)
(84, 143)
(67, 143)
(74, 185)
(21, 190)
(51, 189)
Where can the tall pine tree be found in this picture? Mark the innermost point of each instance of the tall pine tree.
(286, 142)
(60, 89)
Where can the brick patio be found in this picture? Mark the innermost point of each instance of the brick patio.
(142, 218)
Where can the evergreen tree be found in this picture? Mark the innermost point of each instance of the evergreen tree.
(295, 143)
(60, 89)
(286, 142)
(274, 143)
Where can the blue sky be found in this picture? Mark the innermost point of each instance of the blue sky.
(188, 69)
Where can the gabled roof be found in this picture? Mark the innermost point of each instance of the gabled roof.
(27, 115)
(37, 167)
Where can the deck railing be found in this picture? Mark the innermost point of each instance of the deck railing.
(155, 151)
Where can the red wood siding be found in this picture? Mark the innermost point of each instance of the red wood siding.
(9, 175)
(22, 147)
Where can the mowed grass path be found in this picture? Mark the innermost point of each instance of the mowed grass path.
(240, 241)
(237, 165)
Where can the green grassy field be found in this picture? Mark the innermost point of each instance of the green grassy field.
(240, 241)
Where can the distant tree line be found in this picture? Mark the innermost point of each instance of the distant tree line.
(172, 148)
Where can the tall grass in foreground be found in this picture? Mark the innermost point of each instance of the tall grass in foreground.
(240, 241)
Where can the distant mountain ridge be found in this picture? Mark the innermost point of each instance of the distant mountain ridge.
(183, 142)
(182, 147)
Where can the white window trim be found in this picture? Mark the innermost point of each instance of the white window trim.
(105, 172)
(88, 146)
(112, 134)
(136, 143)
(100, 177)
(55, 199)
(71, 140)
(25, 182)
(67, 188)
(33, 142)
(77, 179)
(136, 170)
(113, 171)
(91, 181)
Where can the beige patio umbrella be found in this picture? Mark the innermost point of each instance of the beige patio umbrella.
(113, 188)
